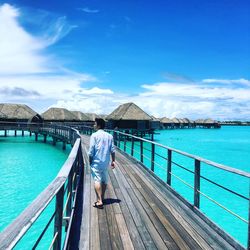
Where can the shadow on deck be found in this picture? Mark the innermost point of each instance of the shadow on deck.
(139, 213)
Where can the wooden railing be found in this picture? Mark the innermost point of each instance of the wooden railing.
(64, 185)
(145, 150)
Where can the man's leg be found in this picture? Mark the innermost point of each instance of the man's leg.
(98, 190)
(104, 187)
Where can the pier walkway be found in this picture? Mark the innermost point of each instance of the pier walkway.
(140, 213)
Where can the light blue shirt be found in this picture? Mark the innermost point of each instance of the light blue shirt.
(100, 148)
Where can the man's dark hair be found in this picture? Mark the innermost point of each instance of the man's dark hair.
(100, 123)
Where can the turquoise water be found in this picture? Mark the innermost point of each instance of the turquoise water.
(229, 146)
(26, 168)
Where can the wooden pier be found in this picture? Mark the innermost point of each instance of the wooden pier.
(140, 210)
(141, 213)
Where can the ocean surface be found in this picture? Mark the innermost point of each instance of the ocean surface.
(27, 167)
(230, 146)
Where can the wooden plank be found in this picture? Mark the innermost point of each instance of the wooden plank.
(138, 210)
(84, 242)
(175, 229)
(94, 230)
(133, 229)
(115, 238)
(105, 243)
(157, 220)
(111, 197)
(124, 233)
(181, 212)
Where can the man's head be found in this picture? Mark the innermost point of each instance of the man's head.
(99, 123)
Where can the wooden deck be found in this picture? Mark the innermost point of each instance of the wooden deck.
(140, 213)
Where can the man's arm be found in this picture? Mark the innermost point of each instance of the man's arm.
(113, 160)
(112, 154)
(90, 159)
(91, 149)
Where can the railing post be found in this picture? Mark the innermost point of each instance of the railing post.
(197, 183)
(124, 143)
(115, 138)
(132, 146)
(169, 167)
(70, 136)
(153, 157)
(119, 140)
(69, 204)
(58, 219)
(141, 147)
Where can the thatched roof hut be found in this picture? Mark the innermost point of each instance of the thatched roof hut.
(207, 123)
(166, 120)
(176, 120)
(18, 112)
(58, 114)
(80, 116)
(92, 116)
(155, 123)
(129, 115)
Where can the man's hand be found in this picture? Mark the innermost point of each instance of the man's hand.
(112, 164)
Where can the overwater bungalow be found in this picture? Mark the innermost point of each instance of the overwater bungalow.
(92, 116)
(58, 115)
(17, 117)
(80, 116)
(188, 123)
(129, 116)
(166, 123)
(207, 123)
(155, 123)
(10, 112)
(176, 122)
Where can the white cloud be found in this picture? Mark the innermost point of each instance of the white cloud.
(196, 100)
(46, 86)
(22, 52)
(87, 10)
(228, 81)
(18, 49)
(197, 91)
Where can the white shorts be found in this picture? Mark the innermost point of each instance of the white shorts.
(100, 175)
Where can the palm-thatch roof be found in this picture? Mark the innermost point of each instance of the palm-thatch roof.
(58, 114)
(155, 119)
(166, 120)
(176, 120)
(129, 111)
(16, 111)
(199, 121)
(80, 116)
(181, 120)
(91, 116)
(209, 121)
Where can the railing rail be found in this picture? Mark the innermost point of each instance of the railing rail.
(121, 140)
(71, 168)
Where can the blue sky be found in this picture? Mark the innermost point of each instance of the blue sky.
(172, 58)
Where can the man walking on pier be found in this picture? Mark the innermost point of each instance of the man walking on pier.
(100, 148)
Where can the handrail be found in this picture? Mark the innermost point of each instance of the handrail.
(17, 229)
(121, 139)
(217, 165)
